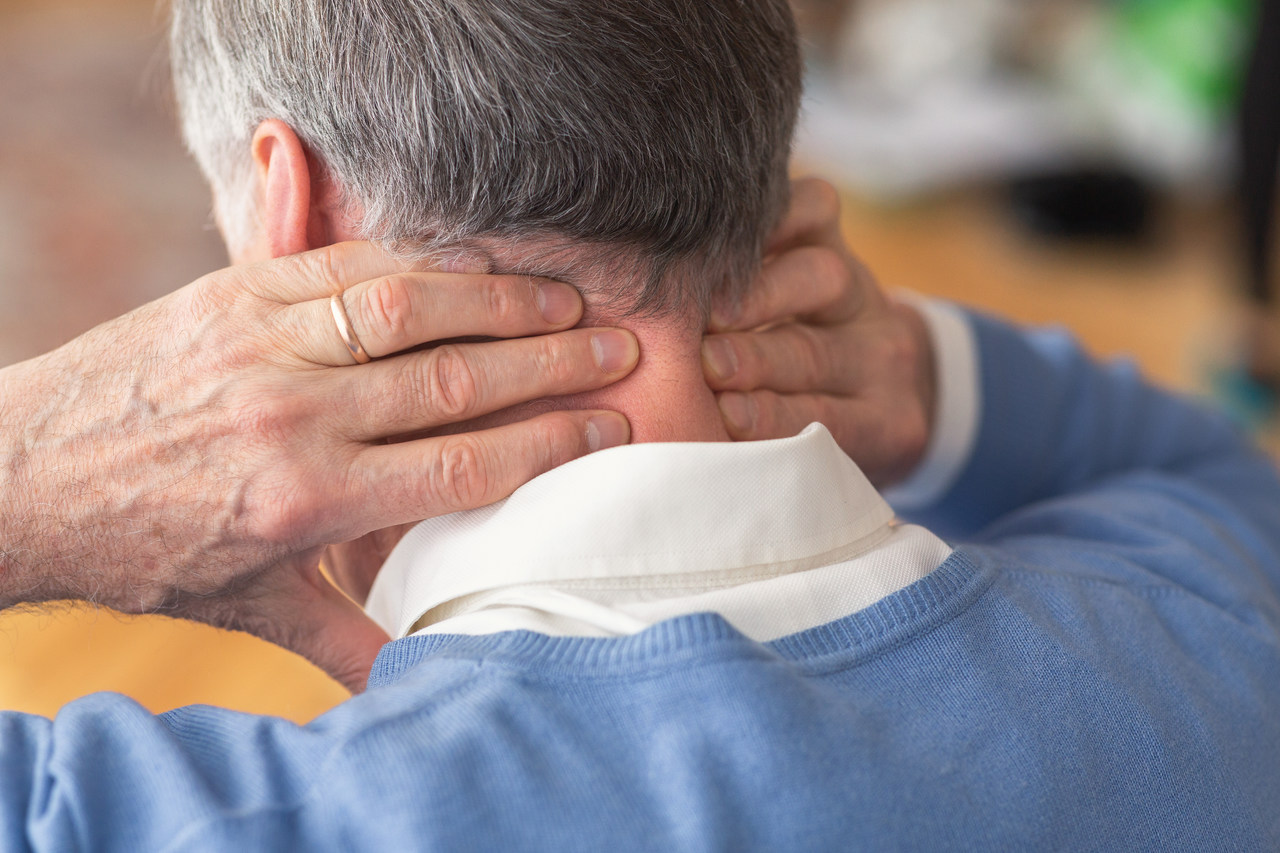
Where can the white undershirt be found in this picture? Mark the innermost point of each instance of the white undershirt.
(776, 536)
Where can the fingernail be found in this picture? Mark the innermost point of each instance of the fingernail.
(558, 302)
(739, 410)
(721, 358)
(607, 430)
(615, 350)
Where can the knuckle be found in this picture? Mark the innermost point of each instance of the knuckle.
(914, 434)
(502, 301)
(268, 417)
(555, 361)
(766, 415)
(757, 358)
(387, 309)
(460, 477)
(900, 349)
(286, 510)
(830, 270)
(210, 295)
(813, 359)
(225, 327)
(826, 199)
(450, 385)
(324, 264)
(557, 438)
(281, 502)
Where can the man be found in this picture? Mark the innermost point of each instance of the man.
(687, 643)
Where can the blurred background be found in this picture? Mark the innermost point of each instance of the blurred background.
(1105, 165)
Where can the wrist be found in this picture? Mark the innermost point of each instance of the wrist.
(953, 399)
(19, 561)
(46, 547)
(926, 361)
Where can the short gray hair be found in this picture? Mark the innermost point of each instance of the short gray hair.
(658, 131)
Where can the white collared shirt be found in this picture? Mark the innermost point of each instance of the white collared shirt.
(776, 536)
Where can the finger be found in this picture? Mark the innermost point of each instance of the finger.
(458, 382)
(320, 623)
(398, 483)
(393, 313)
(813, 216)
(318, 273)
(807, 281)
(886, 442)
(762, 415)
(787, 359)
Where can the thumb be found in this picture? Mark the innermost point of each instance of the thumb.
(323, 625)
(294, 606)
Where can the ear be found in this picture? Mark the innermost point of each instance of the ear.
(289, 194)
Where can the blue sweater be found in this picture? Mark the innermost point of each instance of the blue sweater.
(1098, 669)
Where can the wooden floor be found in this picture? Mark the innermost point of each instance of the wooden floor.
(100, 211)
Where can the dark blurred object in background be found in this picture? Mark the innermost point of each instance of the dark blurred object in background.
(1084, 204)
(1260, 151)
(1259, 163)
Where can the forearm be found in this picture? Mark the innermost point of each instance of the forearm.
(1052, 421)
(97, 501)
(29, 569)
(954, 400)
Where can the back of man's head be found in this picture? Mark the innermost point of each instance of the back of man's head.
(654, 133)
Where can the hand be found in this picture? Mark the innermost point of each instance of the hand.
(816, 340)
(193, 457)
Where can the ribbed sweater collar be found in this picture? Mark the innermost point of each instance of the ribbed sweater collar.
(845, 642)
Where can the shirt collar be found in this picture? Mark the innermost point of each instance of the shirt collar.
(639, 510)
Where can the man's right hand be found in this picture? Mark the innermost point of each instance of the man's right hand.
(194, 456)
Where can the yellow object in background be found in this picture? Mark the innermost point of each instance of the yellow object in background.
(51, 655)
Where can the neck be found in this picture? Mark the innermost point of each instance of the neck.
(666, 397)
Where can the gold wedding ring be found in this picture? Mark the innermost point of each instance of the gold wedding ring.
(346, 330)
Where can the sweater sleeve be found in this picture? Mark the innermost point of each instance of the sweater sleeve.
(1082, 470)
(108, 775)
(1054, 422)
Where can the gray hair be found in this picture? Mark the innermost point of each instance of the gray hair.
(657, 131)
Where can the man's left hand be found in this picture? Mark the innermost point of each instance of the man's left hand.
(816, 339)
